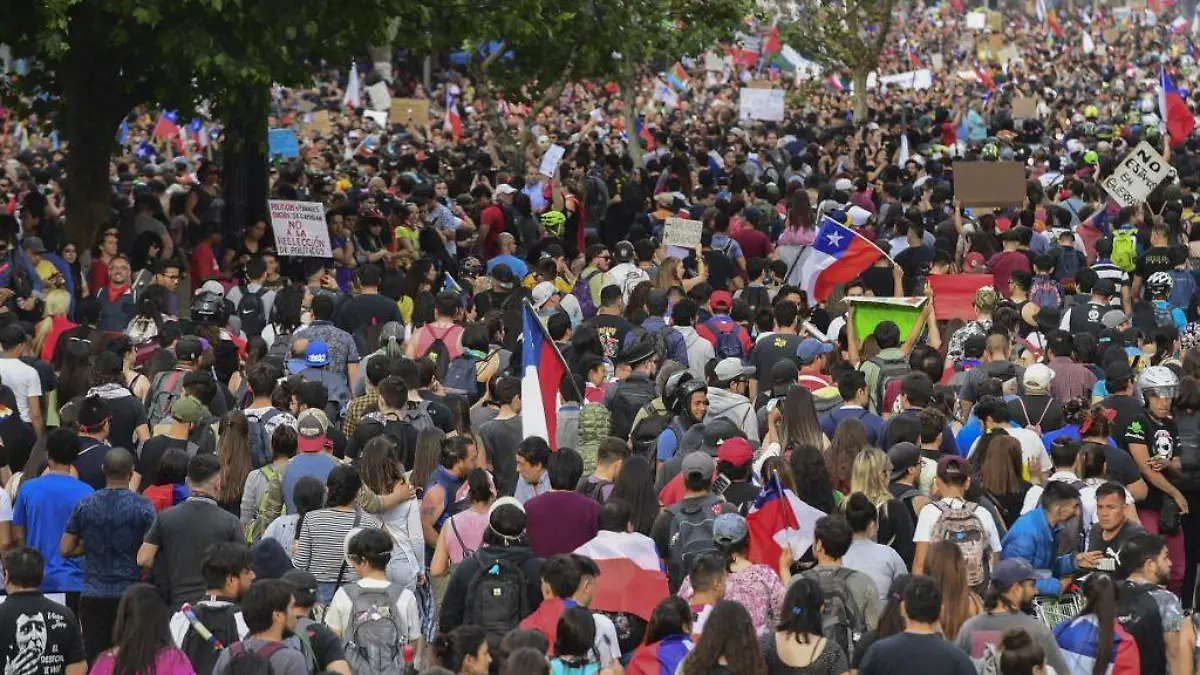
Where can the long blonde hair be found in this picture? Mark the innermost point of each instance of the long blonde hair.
(58, 303)
(869, 476)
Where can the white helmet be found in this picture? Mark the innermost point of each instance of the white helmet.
(1158, 381)
(1160, 284)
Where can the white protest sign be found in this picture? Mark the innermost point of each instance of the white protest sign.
(378, 117)
(1137, 175)
(550, 160)
(913, 79)
(713, 63)
(378, 96)
(300, 229)
(977, 21)
(939, 62)
(682, 232)
(761, 104)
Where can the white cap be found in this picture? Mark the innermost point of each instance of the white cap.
(505, 189)
(1038, 376)
(858, 216)
(843, 184)
(541, 293)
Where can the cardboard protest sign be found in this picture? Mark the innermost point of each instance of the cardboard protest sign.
(378, 97)
(870, 312)
(321, 122)
(995, 22)
(938, 62)
(682, 232)
(300, 229)
(989, 184)
(761, 104)
(551, 159)
(954, 294)
(760, 84)
(283, 143)
(409, 112)
(996, 42)
(1137, 175)
(1024, 107)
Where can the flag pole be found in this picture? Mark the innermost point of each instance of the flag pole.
(528, 306)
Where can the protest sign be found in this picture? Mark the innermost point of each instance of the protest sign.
(1137, 175)
(995, 22)
(760, 84)
(378, 117)
(954, 294)
(1024, 107)
(283, 143)
(996, 43)
(713, 63)
(977, 21)
(321, 123)
(550, 160)
(870, 312)
(378, 97)
(682, 232)
(761, 104)
(939, 63)
(913, 79)
(1008, 54)
(409, 112)
(300, 229)
(989, 184)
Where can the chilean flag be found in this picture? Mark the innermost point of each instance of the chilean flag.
(779, 519)
(544, 370)
(661, 658)
(913, 59)
(167, 125)
(838, 256)
(1177, 119)
(1078, 639)
(453, 121)
(631, 578)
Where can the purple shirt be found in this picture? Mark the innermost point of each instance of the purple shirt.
(560, 522)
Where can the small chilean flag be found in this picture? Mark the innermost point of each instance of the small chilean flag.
(631, 578)
(1177, 119)
(838, 256)
(167, 125)
(662, 657)
(779, 518)
(913, 59)
(544, 370)
(453, 121)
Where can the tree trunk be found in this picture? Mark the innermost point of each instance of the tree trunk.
(860, 96)
(245, 159)
(635, 142)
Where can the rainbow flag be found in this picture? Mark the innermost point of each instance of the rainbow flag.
(677, 77)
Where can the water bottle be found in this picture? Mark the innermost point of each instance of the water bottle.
(410, 668)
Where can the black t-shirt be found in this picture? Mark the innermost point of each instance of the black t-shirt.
(613, 330)
(912, 654)
(1156, 259)
(1159, 437)
(742, 495)
(360, 309)
(916, 261)
(1119, 466)
(152, 454)
(128, 414)
(182, 534)
(1112, 547)
(880, 281)
(39, 635)
(1127, 409)
(720, 270)
(769, 351)
(326, 645)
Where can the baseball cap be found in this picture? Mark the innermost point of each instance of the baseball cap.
(1038, 376)
(33, 245)
(311, 426)
(699, 462)
(188, 409)
(317, 354)
(903, 457)
(843, 184)
(505, 189)
(735, 452)
(1104, 287)
(1113, 318)
(731, 369)
(784, 372)
(542, 292)
(1118, 370)
(1012, 571)
(729, 528)
(720, 300)
(952, 466)
(811, 348)
(188, 349)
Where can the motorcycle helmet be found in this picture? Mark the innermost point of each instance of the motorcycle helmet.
(1158, 381)
(207, 307)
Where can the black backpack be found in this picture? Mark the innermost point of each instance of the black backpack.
(218, 619)
(756, 296)
(1138, 614)
(645, 434)
(496, 597)
(1187, 447)
(629, 399)
(841, 619)
(252, 312)
(245, 661)
(367, 336)
(438, 353)
(690, 535)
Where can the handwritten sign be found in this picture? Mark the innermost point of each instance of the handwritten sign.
(379, 97)
(1137, 175)
(682, 232)
(551, 159)
(761, 104)
(283, 143)
(409, 111)
(321, 123)
(977, 21)
(300, 229)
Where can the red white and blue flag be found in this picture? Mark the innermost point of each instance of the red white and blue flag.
(167, 125)
(631, 577)
(913, 59)
(779, 519)
(544, 370)
(1177, 120)
(1078, 639)
(661, 658)
(838, 255)
(453, 121)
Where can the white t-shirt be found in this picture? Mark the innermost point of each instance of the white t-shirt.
(24, 382)
(1033, 451)
(180, 623)
(607, 647)
(930, 514)
(337, 616)
(1087, 497)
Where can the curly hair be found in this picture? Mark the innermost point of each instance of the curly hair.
(729, 632)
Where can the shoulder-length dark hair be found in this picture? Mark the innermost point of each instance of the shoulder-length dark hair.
(801, 617)
(635, 484)
(729, 633)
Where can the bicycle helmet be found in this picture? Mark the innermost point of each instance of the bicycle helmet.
(1158, 381)
(553, 223)
(990, 152)
(207, 307)
(1160, 284)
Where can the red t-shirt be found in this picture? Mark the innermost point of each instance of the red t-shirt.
(949, 133)
(97, 275)
(754, 244)
(1002, 266)
(493, 217)
(203, 264)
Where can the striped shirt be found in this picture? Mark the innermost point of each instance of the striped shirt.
(1119, 277)
(321, 545)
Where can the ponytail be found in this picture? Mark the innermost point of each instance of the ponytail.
(1101, 594)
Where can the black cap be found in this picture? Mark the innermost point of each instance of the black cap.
(1104, 287)
(903, 457)
(188, 349)
(636, 353)
(503, 276)
(784, 372)
(1118, 370)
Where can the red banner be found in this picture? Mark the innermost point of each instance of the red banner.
(954, 294)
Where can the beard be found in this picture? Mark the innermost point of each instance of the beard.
(288, 632)
(1028, 608)
(1161, 576)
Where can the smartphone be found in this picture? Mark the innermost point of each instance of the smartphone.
(720, 484)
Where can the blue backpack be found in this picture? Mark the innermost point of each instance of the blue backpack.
(260, 443)
(461, 378)
(1182, 290)
(728, 333)
(583, 293)
(1066, 264)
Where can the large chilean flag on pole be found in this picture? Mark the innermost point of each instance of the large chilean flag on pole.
(837, 256)
(544, 370)
(1176, 117)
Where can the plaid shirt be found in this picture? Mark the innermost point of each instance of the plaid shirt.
(357, 408)
(1071, 380)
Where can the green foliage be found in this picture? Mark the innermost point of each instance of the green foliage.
(850, 33)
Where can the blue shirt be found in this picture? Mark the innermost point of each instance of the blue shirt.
(111, 524)
(1070, 431)
(967, 435)
(315, 464)
(90, 464)
(514, 263)
(43, 508)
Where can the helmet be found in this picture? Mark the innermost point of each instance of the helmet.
(623, 252)
(1160, 284)
(1091, 112)
(1158, 381)
(990, 151)
(553, 222)
(1090, 157)
(207, 307)
(683, 395)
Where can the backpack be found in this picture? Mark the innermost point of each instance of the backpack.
(461, 378)
(260, 443)
(628, 400)
(1035, 427)
(366, 337)
(167, 387)
(594, 424)
(438, 353)
(1162, 313)
(1044, 293)
(301, 641)
(218, 620)
(1138, 614)
(727, 334)
(656, 338)
(595, 200)
(690, 535)
(583, 293)
(841, 619)
(245, 661)
(1187, 448)
(890, 368)
(417, 415)
(252, 312)
(496, 599)
(256, 524)
(1124, 253)
(1183, 290)
(1066, 264)
(593, 489)
(961, 526)
(645, 434)
(756, 296)
(375, 635)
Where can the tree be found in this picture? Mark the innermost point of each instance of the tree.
(849, 33)
(94, 60)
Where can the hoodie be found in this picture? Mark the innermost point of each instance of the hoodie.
(699, 350)
(455, 604)
(735, 408)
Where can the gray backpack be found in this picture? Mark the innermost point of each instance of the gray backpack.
(375, 635)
